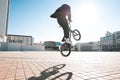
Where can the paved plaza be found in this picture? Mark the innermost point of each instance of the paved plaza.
(51, 65)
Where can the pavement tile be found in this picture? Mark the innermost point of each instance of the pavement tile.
(49, 65)
(9, 78)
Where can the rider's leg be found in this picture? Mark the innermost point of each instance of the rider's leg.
(66, 33)
(64, 24)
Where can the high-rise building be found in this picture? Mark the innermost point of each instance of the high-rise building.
(4, 11)
(110, 42)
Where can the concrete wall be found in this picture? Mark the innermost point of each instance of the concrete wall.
(20, 47)
(3, 15)
(4, 10)
(32, 48)
(3, 46)
(77, 47)
(13, 46)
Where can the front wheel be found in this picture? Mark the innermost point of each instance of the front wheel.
(76, 34)
(65, 49)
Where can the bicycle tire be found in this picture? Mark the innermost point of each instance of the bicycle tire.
(65, 49)
(76, 34)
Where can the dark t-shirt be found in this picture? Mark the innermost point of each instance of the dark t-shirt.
(61, 12)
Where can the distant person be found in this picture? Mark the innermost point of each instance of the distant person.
(63, 15)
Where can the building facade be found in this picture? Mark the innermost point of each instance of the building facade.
(20, 43)
(20, 39)
(52, 45)
(117, 40)
(110, 42)
(90, 46)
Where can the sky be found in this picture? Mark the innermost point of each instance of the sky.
(93, 18)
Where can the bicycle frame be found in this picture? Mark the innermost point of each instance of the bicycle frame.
(73, 32)
(70, 31)
(65, 48)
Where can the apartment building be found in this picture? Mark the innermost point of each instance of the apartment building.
(19, 39)
(110, 42)
(117, 40)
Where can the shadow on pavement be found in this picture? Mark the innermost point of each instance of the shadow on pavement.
(52, 71)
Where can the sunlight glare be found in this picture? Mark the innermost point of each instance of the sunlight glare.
(85, 13)
(86, 17)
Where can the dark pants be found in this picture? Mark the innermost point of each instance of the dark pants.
(64, 24)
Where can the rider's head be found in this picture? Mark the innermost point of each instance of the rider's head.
(66, 6)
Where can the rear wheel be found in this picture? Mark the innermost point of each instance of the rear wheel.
(76, 34)
(65, 49)
(65, 76)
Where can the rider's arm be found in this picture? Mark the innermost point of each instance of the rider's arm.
(69, 15)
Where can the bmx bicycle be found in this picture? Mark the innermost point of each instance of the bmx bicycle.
(65, 48)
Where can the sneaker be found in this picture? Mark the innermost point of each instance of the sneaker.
(63, 40)
(68, 41)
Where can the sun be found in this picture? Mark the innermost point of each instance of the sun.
(85, 13)
(86, 19)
